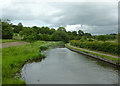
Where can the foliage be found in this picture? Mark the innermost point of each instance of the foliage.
(74, 33)
(78, 37)
(118, 37)
(88, 35)
(31, 38)
(17, 28)
(7, 31)
(80, 33)
(17, 36)
(47, 34)
(90, 39)
(43, 47)
(107, 47)
(20, 27)
(102, 38)
(60, 36)
(96, 54)
(46, 37)
(61, 29)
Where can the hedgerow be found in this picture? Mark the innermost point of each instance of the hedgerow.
(107, 47)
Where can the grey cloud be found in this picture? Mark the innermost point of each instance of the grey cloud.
(88, 13)
(103, 15)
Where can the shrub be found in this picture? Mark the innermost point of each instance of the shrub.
(43, 47)
(90, 39)
(108, 47)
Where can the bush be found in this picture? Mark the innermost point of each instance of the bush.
(43, 47)
(108, 47)
(90, 39)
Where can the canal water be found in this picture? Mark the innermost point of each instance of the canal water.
(63, 66)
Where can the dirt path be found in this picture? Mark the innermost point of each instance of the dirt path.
(94, 52)
(8, 44)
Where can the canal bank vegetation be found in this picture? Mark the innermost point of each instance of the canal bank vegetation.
(107, 47)
(13, 59)
(92, 53)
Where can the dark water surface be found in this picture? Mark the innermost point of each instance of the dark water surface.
(63, 66)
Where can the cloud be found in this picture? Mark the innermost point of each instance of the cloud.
(96, 15)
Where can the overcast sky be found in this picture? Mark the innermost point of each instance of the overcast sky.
(95, 16)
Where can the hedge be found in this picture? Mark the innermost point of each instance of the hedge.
(108, 47)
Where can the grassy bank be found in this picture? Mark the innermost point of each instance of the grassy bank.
(96, 54)
(8, 40)
(15, 57)
(0, 66)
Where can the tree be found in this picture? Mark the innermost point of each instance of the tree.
(88, 35)
(60, 36)
(17, 28)
(74, 33)
(61, 29)
(118, 37)
(80, 33)
(52, 30)
(26, 32)
(102, 38)
(69, 33)
(7, 30)
(77, 37)
(36, 29)
(20, 27)
(45, 37)
(31, 38)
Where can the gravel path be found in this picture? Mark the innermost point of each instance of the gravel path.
(8, 44)
(94, 51)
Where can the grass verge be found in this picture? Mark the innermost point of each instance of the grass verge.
(13, 59)
(8, 40)
(96, 54)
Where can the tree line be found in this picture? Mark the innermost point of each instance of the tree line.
(49, 34)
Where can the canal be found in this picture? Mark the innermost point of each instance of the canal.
(63, 66)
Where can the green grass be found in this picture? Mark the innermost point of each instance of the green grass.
(8, 40)
(104, 56)
(13, 58)
(0, 67)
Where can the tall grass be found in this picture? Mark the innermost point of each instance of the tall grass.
(15, 57)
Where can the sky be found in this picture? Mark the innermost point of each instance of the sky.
(91, 16)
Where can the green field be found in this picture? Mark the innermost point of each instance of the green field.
(15, 57)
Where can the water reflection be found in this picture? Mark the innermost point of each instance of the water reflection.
(63, 66)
